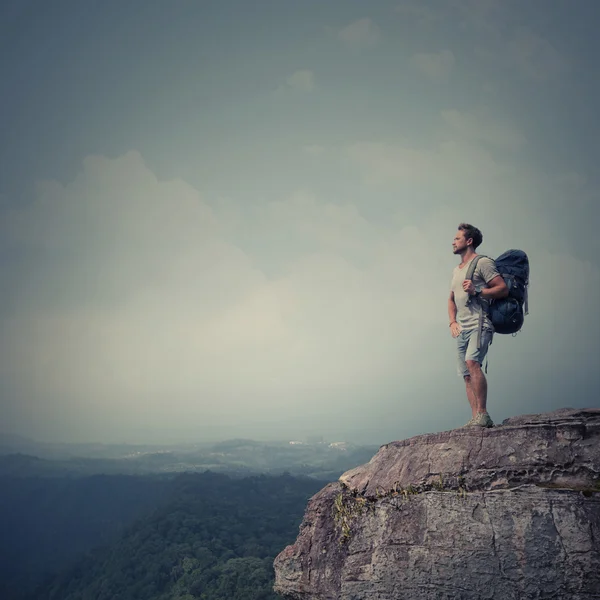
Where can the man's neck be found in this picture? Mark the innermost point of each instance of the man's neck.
(467, 256)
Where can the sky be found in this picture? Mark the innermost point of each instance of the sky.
(234, 219)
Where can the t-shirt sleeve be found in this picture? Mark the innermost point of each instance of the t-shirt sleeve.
(487, 269)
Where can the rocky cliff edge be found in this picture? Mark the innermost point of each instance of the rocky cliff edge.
(507, 513)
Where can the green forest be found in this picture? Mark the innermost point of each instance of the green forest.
(204, 536)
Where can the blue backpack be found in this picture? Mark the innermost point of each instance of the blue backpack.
(507, 314)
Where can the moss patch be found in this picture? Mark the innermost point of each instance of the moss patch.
(587, 490)
(345, 509)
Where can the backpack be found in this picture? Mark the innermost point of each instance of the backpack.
(507, 314)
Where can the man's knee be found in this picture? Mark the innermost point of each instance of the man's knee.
(473, 366)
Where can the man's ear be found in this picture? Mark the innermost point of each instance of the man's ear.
(470, 242)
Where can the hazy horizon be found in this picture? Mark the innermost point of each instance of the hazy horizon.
(235, 219)
(306, 439)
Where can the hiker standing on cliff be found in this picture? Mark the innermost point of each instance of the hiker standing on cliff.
(469, 323)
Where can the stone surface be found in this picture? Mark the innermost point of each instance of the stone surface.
(511, 512)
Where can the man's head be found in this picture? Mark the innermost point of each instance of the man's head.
(466, 236)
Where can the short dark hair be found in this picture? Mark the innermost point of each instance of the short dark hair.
(471, 232)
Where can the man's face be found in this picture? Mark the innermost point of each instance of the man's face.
(460, 242)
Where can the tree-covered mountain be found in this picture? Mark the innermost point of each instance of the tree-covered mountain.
(47, 522)
(193, 536)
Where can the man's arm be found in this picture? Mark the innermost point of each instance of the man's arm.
(454, 326)
(451, 308)
(496, 288)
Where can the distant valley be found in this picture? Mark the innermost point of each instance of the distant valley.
(319, 459)
(155, 522)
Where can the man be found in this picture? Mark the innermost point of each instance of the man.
(466, 306)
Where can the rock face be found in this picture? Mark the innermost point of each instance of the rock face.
(511, 512)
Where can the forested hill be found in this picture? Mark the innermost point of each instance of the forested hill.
(198, 536)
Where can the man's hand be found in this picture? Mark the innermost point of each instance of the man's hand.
(455, 329)
(469, 287)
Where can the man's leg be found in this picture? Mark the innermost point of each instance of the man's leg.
(478, 385)
(471, 395)
(474, 358)
(461, 347)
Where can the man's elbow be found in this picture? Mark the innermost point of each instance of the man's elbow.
(498, 292)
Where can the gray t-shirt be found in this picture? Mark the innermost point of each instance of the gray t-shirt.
(467, 315)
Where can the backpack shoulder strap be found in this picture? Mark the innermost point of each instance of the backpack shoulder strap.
(469, 276)
(473, 266)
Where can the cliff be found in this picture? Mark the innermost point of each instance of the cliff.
(511, 512)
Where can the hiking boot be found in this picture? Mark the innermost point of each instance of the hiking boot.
(482, 420)
(470, 422)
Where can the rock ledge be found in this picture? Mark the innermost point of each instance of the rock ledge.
(511, 512)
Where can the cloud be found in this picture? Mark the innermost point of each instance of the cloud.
(132, 293)
(139, 308)
(450, 160)
(302, 80)
(314, 149)
(534, 56)
(483, 16)
(419, 11)
(480, 166)
(363, 32)
(483, 129)
(501, 44)
(571, 180)
(436, 67)
(135, 310)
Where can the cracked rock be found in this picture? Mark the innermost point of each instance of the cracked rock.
(507, 513)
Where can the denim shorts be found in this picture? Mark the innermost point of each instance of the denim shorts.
(466, 343)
